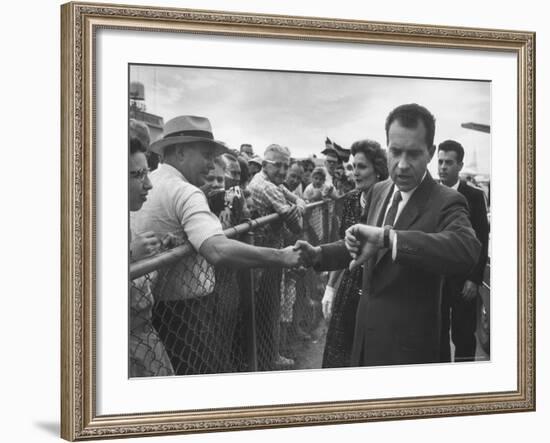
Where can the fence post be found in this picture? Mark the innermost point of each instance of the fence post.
(326, 223)
(247, 286)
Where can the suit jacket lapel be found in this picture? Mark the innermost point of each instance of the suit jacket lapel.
(416, 204)
(382, 203)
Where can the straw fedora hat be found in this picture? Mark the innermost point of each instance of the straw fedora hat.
(188, 129)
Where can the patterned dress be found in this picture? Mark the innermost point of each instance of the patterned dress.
(342, 322)
(147, 355)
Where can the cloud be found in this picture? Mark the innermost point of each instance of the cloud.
(300, 109)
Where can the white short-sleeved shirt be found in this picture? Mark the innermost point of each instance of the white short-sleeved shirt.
(177, 207)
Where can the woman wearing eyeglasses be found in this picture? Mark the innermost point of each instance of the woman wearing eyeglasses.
(343, 289)
(147, 355)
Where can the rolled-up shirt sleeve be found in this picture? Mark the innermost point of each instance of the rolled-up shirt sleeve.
(198, 222)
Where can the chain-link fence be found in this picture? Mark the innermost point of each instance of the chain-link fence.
(188, 317)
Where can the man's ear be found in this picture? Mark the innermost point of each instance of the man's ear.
(460, 165)
(180, 154)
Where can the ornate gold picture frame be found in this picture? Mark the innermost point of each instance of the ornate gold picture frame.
(81, 22)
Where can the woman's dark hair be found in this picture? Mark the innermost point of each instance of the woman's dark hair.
(375, 154)
(139, 136)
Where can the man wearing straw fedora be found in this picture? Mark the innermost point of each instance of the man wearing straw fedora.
(177, 208)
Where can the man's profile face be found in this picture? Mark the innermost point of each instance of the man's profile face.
(254, 168)
(448, 167)
(294, 176)
(276, 166)
(408, 155)
(331, 162)
(197, 162)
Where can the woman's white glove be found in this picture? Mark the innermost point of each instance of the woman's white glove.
(328, 301)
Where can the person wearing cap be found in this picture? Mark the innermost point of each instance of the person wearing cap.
(254, 165)
(177, 207)
(269, 195)
(146, 353)
(247, 151)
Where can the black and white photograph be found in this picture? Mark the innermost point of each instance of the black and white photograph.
(287, 220)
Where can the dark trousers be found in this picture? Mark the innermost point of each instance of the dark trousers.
(458, 321)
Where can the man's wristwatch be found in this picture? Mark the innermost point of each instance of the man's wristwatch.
(387, 230)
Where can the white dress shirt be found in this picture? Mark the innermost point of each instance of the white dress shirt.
(405, 197)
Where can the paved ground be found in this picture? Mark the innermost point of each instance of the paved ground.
(309, 353)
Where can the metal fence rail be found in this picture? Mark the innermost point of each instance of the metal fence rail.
(216, 319)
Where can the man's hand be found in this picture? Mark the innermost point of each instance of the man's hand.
(470, 290)
(310, 254)
(292, 257)
(301, 204)
(171, 240)
(363, 242)
(144, 245)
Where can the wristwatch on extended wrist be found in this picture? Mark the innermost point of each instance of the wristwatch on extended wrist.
(387, 230)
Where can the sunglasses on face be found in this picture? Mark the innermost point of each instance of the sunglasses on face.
(278, 165)
(140, 174)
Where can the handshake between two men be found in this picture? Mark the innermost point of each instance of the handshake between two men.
(362, 243)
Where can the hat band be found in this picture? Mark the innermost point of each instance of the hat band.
(192, 133)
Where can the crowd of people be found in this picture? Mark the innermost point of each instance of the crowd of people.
(403, 237)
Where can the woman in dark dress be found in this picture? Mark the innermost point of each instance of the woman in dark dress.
(343, 288)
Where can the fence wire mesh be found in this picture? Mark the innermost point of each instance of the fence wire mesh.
(188, 317)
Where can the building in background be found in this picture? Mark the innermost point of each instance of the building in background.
(138, 111)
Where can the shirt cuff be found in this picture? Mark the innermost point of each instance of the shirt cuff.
(394, 246)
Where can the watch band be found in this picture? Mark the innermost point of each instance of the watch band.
(387, 229)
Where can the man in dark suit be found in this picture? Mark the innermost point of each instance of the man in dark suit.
(416, 231)
(459, 307)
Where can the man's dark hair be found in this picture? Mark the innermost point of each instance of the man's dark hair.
(408, 116)
(452, 146)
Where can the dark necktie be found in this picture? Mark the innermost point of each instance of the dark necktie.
(390, 216)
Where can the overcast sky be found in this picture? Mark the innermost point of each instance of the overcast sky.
(299, 110)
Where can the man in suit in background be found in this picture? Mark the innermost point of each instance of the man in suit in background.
(416, 231)
(459, 307)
